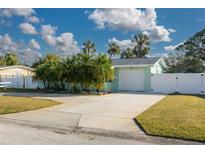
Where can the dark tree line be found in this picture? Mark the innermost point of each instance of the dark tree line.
(188, 57)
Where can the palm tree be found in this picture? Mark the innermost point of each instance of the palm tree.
(114, 49)
(89, 47)
(51, 58)
(11, 59)
(103, 71)
(128, 53)
(142, 45)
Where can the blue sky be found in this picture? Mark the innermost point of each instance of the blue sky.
(166, 27)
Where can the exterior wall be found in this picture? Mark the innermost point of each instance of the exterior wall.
(147, 74)
(115, 82)
(16, 71)
(157, 68)
(108, 86)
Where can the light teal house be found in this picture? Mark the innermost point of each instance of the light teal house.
(134, 74)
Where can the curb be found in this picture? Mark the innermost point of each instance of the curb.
(102, 132)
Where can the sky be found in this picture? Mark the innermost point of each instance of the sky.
(35, 32)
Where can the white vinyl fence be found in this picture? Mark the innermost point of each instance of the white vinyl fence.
(187, 83)
(18, 81)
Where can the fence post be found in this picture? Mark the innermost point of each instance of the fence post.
(202, 83)
(176, 89)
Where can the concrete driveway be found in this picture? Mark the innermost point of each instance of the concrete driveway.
(113, 112)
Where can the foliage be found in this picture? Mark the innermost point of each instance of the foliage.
(189, 56)
(128, 53)
(114, 49)
(9, 59)
(142, 44)
(184, 65)
(88, 48)
(86, 70)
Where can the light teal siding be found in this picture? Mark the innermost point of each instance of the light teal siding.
(147, 81)
(158, 67)
(108, 86)
(115, 82)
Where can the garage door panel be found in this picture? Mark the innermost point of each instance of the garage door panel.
(131, 80)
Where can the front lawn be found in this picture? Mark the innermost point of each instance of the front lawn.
(180, 116)
(10, 104)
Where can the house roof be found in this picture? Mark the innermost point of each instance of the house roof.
(16, 66)
(136, 61)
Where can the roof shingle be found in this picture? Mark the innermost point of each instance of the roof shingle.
(136, 61)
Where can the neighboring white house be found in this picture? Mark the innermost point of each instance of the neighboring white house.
(20, 76)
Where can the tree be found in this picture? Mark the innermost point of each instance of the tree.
(104, 71)
(86, 70)
(194, 46)
(189, 56)
(35, 65)
(50, 72)
(10, 59)
(184, 65)
(2, 61)
(113, 50)
(88, 48)
(69, 71)
(142, 44)
(128, 53)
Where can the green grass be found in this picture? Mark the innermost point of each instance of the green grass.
(178, 116)
(10, 104)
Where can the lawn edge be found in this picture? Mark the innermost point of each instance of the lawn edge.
(164, 136)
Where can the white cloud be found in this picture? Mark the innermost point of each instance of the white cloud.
(34, 44)
(159, 33)
(172, 47)
(27, 53)
(5, 40)
(123, 44)
(172, 30)
(66, 45)
(18, 12)
(27, 28)
(63, 44)
(33, 19)
(131, 20)
(48, 30)
(124, 19)
(50, 40)
(48, 34)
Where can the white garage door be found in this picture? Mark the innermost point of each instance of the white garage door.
(131, 80)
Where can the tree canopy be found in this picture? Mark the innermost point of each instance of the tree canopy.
(141, 47)
(188, 57)
(84, 71)
(9, 59)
